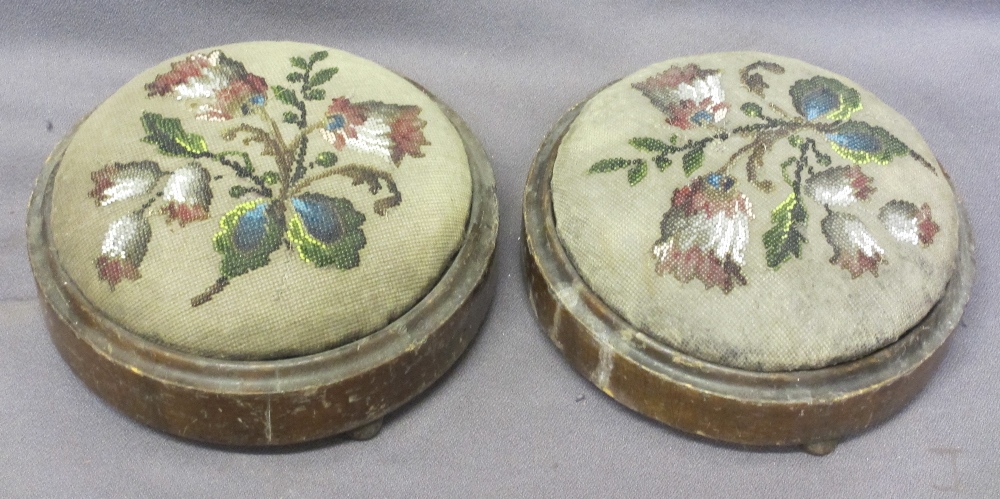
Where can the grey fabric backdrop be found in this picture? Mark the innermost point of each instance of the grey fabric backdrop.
(512, 419)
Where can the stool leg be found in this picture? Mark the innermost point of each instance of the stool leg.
(365, 432)
(820, 448)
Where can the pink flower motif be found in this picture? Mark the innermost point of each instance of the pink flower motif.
(839, 186)
(118, 181)
(705, 232)
(221, 86)
(343, 118)
(187, 194)
(688, 95)
(854, 248)
(389, 130)
(908, 223)
(123, 249)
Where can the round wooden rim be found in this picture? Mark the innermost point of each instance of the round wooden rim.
(807, 407)
(282, 401)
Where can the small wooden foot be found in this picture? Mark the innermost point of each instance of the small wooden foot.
(366, 432)
(820, 448)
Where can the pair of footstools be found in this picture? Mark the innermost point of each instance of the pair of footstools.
(269, 243)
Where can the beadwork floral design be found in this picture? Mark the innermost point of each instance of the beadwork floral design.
(854, 248)
(689, 95)
(705, 231)
(123, 249)
(221, 87)
(908, 223)
(388, 130)
(277, 210)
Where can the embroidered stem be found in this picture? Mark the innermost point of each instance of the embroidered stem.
(283, 155)
(244, 171)
(755, 81)
(921, 160)
(802, 163)
(212, 290)
(300, 143)
(145, 206)
(360, 174)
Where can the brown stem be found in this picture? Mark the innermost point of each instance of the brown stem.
(283, 155)
(757, 148)
(306, 131)
(360, 174)
(273, 143)
(755, 81)
(212, 290)
(256, 134)
(921, 160)
(776, 108)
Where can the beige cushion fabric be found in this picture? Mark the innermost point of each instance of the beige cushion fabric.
(686, 258)
(324, 284)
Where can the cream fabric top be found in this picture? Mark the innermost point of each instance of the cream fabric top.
(158, 220)
(797, 220)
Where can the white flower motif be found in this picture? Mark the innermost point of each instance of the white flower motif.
(854, 248)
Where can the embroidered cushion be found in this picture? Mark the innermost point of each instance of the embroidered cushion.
(260, 200)
(755, 211)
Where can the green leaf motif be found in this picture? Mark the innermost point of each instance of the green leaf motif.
(270, 178)
(326, 231)
(693, 160)
(290, 117)
(249, 233)
(326, 159)
(318, 56)
(285, 95)
(295, 77)
(785, 238)
(752, 110)
(611, 164)
(300, 63)
(823, 159)
(637, 172)
(863, 143)
(315, 94)
(322, 76)
(662, 162)
(170, 137)
(650, 144)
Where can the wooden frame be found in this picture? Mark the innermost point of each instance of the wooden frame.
(813, 408)
(345, 389)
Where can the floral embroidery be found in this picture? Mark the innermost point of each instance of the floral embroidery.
(908, 223)
(221, 86)
(121, 181)
(388, 130)
(277, 211)
(187, 194)
(854, 248)
(689, 96)
(124, 248)
(705, 231)
(839, 186)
